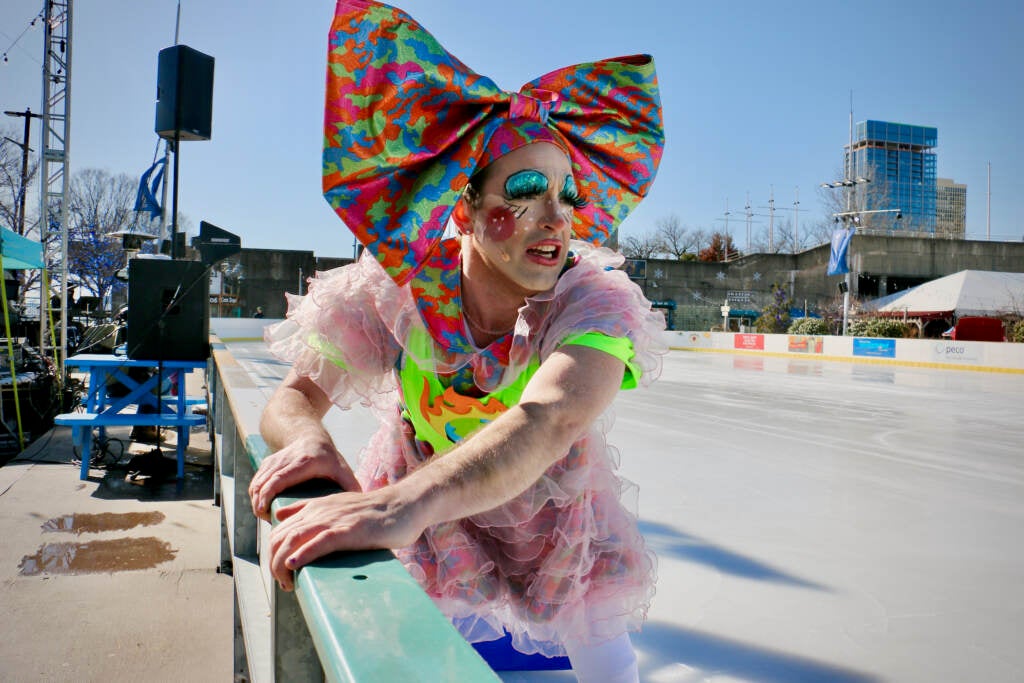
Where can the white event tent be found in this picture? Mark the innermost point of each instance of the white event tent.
(966, 293)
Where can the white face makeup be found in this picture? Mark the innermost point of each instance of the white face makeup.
(522, 219)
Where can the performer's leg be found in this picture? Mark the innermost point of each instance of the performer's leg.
(613, 661)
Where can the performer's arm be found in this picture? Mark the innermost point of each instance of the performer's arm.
(292, 426)
(567, 394)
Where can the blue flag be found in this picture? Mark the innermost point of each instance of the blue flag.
(145, 198)
(837, 256)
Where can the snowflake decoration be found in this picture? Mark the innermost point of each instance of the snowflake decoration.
(720, 275)
(659, 273)
(696, 295)
(757, 277)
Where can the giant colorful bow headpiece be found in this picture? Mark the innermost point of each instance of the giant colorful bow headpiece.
(406, 125)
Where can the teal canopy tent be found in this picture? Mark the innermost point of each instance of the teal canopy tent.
(16, 253)
(20, 253)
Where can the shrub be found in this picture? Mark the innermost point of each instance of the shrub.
(810, 326)
(1015, 332)
(766, 324)
(877, 327)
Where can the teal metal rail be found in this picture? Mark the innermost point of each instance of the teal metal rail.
(353, 617)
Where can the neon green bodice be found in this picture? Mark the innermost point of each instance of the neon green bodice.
(442, 417)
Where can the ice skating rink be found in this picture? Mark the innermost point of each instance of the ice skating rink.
(829, 521)
(817, 520)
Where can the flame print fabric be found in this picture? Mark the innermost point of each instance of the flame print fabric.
(406, 124)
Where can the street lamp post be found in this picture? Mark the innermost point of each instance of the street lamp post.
(853, 217)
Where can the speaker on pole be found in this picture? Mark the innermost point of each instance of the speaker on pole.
(184, 94)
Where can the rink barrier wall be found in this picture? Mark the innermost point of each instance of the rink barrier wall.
(240, 329)
(942, 354)
(353, 617)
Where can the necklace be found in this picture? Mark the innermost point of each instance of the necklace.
(480, 328)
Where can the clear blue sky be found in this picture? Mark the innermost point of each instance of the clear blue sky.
(756, 95)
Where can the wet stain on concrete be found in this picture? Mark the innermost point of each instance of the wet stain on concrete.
(88, 523)
(117, 555)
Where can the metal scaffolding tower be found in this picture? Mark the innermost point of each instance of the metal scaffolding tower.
(53, 165)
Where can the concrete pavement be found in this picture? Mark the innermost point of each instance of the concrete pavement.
(106, 580)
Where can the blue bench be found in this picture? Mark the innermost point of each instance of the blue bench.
(82, 425)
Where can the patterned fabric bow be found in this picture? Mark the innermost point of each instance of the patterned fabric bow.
(406, 124)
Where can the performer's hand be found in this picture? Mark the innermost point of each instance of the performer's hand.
(312, 528)
(305, 458)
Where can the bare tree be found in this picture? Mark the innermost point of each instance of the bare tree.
(818, 232)
(645, 246)
(700, 237)
(100, 204)
(676, 239)
(785, 239)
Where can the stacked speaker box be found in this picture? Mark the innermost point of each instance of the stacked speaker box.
(184, 94)
(168, 310)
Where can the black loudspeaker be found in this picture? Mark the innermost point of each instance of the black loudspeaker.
(184, 94)
(168, 310)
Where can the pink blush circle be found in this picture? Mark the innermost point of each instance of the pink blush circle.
(500, 225)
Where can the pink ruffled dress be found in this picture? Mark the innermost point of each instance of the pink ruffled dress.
(563, 560)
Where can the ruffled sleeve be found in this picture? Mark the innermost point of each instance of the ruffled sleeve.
(593, 296)
(337, 336)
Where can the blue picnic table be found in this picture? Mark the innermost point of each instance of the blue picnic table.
(102, 410)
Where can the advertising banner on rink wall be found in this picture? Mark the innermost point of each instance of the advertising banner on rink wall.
(753, 342)
(799, 343)
(874, 348)
(953, 352)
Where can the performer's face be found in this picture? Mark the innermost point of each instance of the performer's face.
(522, 217)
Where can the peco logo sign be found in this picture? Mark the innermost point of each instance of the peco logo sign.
(953, 352)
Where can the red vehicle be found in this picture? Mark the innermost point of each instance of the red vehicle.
(978, 328)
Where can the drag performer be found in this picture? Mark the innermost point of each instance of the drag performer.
(488, 356)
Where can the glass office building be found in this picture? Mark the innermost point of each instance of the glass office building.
(899, 161)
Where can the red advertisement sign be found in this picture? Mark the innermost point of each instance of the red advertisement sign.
(753, 342)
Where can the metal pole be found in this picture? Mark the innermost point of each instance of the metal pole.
(164, 213)
(65, 209)
(747, 210)
(725, 244)
(988, 205)
(796, 221)
(849, 197)
(24, 170)
(25, 149)
(23, 189)
(771, 220)
(177, 143)
(174, 201)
